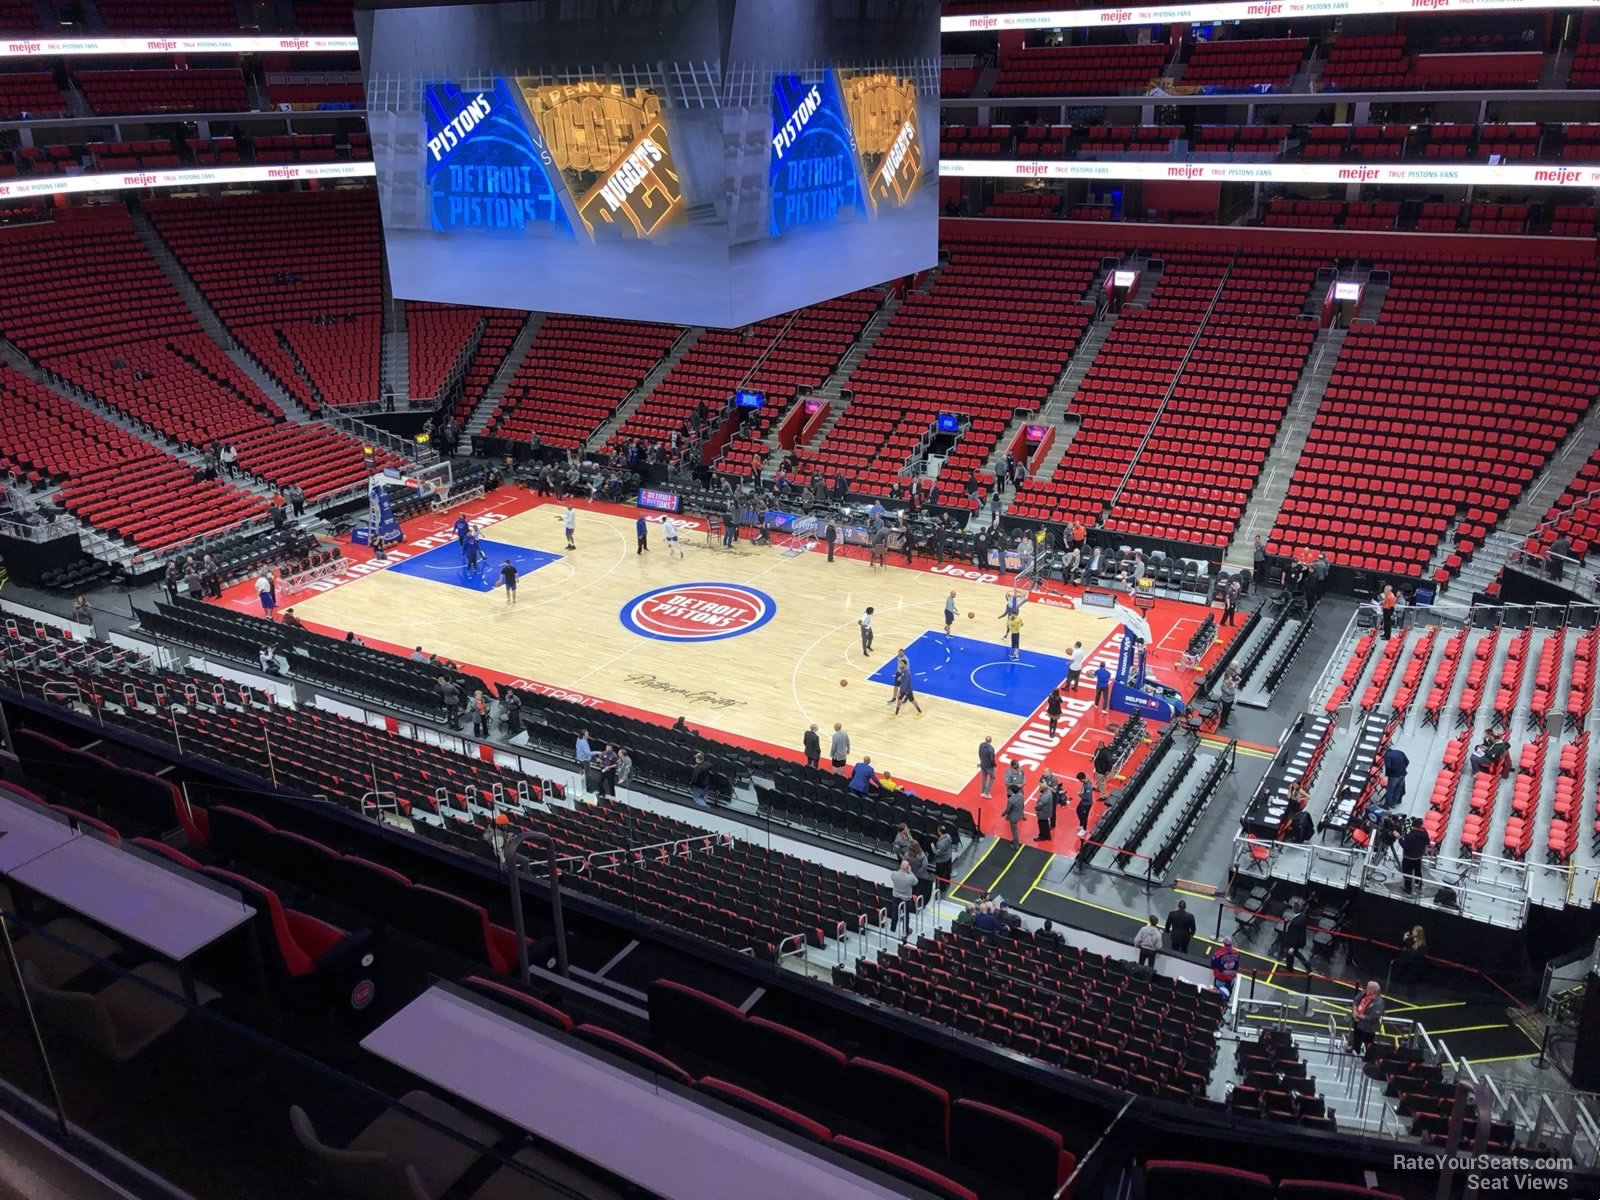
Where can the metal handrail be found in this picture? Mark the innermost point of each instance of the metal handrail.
(515, 883)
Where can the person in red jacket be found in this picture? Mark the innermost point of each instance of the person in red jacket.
(1225, 968)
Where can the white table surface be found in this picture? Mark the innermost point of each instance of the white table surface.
(128, 894)
(29, 832)
(618, 1120)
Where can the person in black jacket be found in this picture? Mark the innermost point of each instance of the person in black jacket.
(1413, 846)
(813, 747)
(1295, 926)
(1180, 928)
(699, 776)
(944, 856)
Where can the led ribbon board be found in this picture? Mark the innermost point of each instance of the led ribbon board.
(485, 168)
(613, 152)
(812, 170)
(1239, 10)
(883, 113)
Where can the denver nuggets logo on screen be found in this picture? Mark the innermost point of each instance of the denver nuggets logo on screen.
(485, 169)
(883, 113)
(611, 146)
(698, 612)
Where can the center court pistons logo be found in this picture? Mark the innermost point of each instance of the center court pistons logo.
(698, 612)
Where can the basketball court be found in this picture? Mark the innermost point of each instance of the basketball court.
(752, 642)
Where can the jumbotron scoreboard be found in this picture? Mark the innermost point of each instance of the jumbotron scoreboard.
(714, 163)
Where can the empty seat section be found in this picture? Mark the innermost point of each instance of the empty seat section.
(297, 278)
(1439, 414)
(576, 373)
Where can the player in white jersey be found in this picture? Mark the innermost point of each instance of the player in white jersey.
(669, 530)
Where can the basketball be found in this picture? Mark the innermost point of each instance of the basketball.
(844, 683)
(972, 616)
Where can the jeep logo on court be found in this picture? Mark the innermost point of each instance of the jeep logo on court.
(698, 612)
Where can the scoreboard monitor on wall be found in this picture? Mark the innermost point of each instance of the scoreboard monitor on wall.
(730, 160)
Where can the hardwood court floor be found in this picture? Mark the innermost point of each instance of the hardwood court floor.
(569, 630)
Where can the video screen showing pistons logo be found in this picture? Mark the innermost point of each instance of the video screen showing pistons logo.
(611, 146)
(485, 169)
(812, 175)
(698, 612)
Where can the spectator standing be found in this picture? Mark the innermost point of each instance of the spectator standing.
(1413, 952)
(1560, 551)
(1319, 574)
(607, 760)
(917, 859)
(1148, 943)
(830, 536)
(1227, 693)
(1230, 601)
(1180, 927)
(1366, 1015)
(450, 700)
(1102, 688)
(1085, 804)
(904, 883)
(624, 767)
(1014, 778)
(1296, 928)
(949, 612)
(511, 712)
(1225, 968)
(1258, 559)
(585, 756)
(986, 767)
(1394, 764)
(1387, 603)
(171, 580)
(944, 856)
(813, 747)
(1413, 846)
(1105, 761)
(1014, 808)
(297, 495)
(699, 777)
(839, 747)
(1044, 806)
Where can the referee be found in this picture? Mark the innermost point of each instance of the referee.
(508, 577)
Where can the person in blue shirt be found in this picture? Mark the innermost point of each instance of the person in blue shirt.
(585, 756)
(1102, 688)
(461, 529)
(988, 921)
(862, 776)
(474, 551)
(641, 530)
